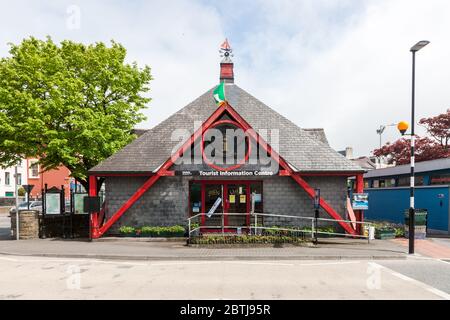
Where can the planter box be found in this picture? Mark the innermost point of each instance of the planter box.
(385, 234)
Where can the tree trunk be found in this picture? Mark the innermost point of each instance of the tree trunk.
(85, 184)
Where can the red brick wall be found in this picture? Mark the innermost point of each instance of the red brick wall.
(53, 178)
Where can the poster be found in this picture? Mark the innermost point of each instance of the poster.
(257, 197)
(196, 207)
(52, 203)
(242, 198)
(360, 201)
(232, 198)
(214, 207)
(78, 203)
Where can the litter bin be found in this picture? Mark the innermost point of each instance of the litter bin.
(420, 223)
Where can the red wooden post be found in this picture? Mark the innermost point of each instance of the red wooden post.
(94, 216)
(359, 213)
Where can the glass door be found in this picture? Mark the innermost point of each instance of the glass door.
(237, 202)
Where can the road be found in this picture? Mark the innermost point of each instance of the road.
(59, 278)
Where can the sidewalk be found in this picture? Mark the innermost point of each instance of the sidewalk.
(146, 249)
(431, 247)
(125, 249)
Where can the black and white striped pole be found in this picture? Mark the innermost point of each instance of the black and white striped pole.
(403, 126)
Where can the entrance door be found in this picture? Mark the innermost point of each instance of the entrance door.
(237, 201)
(235, 197)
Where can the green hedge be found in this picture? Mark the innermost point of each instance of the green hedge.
(148, 231)
(383, 226)
(246, 239)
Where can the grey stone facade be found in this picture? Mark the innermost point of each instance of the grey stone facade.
(166, 202)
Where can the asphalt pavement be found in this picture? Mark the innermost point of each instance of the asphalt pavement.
(58, 278)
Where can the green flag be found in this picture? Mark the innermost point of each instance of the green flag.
(219, 94)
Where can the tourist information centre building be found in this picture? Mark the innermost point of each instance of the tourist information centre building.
(225, 144)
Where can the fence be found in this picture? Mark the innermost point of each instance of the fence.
(256, 225)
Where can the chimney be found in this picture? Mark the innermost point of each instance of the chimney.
(349, 153)
(226, 66)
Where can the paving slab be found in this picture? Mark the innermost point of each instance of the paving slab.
(173, 249)
(335, 249)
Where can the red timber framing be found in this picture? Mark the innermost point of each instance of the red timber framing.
(285, 170)
(359, 213)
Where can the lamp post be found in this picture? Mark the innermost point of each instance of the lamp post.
(403, 126)
(16, 191)
(382, 128)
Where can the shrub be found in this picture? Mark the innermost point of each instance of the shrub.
(127, 230)
(245, 239)
(151, 231)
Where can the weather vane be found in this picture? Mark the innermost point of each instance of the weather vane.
(225, 51)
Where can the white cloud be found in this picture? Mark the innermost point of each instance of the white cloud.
(363, 77)
(341, 65)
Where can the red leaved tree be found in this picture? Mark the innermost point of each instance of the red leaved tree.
(436, 147)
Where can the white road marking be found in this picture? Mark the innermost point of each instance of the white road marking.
(261, 263)
(71, 260)
(439, 293)
(329, 263)
(167, 263)
(420, 284)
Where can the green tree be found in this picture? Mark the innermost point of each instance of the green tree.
(69, 104)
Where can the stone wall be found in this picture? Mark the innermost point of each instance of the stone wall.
(166, 203)
(28, 225)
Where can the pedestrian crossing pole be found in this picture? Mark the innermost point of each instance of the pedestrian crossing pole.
(411, 227)
(16, 179)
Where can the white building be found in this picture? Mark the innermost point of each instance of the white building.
(7, 183)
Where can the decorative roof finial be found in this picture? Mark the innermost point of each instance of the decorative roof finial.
(225, 51)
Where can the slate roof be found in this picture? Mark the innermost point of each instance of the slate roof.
(304, 150)
(317, 133)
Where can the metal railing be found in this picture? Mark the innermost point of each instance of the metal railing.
(256, 226)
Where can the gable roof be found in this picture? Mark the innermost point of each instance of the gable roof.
(302, 149)
(317, 133)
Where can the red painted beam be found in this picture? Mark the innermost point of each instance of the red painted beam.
(163, 170)
(328, 209)
(359, 213)
(94, 216)
(309, 190)
(129, 203)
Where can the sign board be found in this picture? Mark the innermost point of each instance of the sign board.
(257, 197)
(52, 203)
(91, 204)
(316, 198)
(214, 173)
(360, 201)
(78, 203)
(214, 207)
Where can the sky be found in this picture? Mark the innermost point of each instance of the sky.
(344, 66)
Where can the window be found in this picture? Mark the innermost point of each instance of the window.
(7, 178)
(440, 179)
(390, 183)
(19, 179)
(34, 170)
(405, 181)
(195, 198)
(226, 146)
